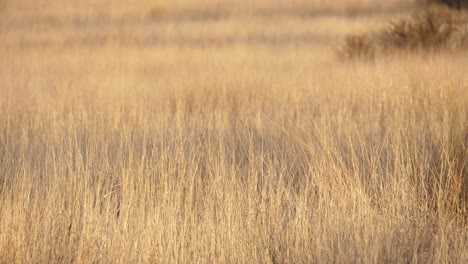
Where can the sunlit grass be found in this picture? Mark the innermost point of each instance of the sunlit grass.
(249, 152)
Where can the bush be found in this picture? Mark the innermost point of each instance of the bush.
(435, 29)
(431, 30)
(357, 47)
(455, 4)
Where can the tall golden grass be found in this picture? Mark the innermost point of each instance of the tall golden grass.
(234, 159)
(245, 153)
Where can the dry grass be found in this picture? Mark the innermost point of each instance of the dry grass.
(251, 152)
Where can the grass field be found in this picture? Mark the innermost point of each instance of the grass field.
(226, 132)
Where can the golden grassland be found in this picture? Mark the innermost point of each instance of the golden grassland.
(234, 139)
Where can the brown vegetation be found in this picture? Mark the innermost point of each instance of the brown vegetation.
(455, 4)
(435, 29)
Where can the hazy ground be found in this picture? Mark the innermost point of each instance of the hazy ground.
(225, 131)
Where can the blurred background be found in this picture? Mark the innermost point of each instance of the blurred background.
(207, 23)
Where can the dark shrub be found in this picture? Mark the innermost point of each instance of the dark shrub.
(454, 4)
(437, 28)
